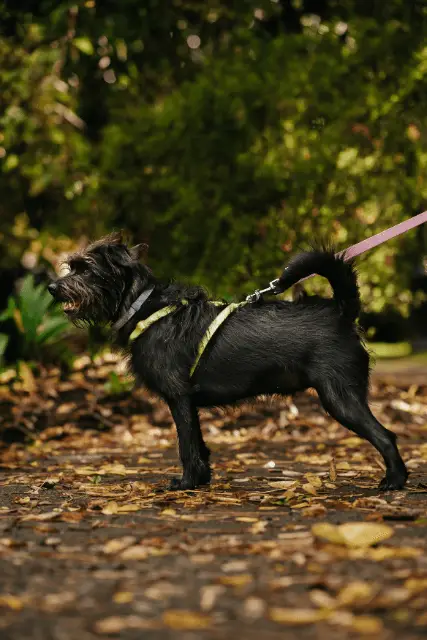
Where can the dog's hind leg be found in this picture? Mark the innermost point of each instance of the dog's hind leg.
(352, 411)
(193, 451)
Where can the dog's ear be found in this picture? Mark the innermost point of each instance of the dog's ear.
(116, 237)
(138, 251)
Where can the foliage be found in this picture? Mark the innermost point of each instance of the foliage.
(41, 326)
(4, 339)
(117, 385)
(224, 134)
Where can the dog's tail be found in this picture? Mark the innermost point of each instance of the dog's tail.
(341, 275)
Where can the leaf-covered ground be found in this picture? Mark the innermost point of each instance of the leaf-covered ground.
(92, 544)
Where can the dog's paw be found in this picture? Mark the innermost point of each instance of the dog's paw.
(181, 484)
(393, 482)
(202, 477)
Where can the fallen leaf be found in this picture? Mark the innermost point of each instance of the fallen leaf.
(357, 592)
(297, 616)
(343, 466)
(258, 527)
(332, 471)
(209, 595)
(128, 508)
(416, 585)
(254, 608)
(42, 517)
(367, 625)
(281, 484)
(110, 508)
(238, 580)
(136, 552)
(314, 480)
(11, 602)
(308, 487)
(123, 597)
(118, 544)
(117, 624)
(182, 620)
(353, 534)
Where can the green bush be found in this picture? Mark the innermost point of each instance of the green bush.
(41, 326)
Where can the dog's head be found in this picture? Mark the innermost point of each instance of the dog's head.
(101, 280)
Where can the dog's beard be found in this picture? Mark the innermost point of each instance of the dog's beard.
(88, 306)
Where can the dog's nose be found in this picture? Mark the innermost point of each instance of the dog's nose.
(52, 288)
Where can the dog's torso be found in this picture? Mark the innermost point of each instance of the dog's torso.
(265, 348)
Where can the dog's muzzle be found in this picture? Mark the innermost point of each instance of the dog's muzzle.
(52, 288)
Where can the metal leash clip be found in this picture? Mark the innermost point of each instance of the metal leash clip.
(274, 287)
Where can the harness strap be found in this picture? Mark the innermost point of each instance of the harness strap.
(212, 329)
(143, 325)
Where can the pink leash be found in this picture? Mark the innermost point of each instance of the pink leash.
(379, 238)
(354, 250)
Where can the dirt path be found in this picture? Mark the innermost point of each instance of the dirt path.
(92, 544)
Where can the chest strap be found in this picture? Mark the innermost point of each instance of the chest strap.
(143, 325)
(212, 329)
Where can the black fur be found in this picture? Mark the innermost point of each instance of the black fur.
(268, 347)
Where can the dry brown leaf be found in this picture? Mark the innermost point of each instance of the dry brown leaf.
(384, 553)
(314, 480)
(238, 580)
(367, 625)
(332, 471)
(117, 624)
(342, 466)
(27, 377)
(353, 534)
(136, 552)
(246, 519)
(308, 488)
(259, 527)
(42, 517)
(11, 602)
(314, 511)
(357, 592)
(254, 608)
(128, 508)
(281, 484)
(123, 597)
(297, 616)
(110, 508)
(118, 544)
(416, 585)
(182, 619)
(209, 594)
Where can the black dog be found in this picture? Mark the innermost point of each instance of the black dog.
(272, 347)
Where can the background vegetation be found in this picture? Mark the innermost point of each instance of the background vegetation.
(225, 134)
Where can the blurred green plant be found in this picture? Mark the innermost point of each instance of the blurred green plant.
(117, 385)
(41, 326)
(4, 339)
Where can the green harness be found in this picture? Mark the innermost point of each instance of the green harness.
(143, 325)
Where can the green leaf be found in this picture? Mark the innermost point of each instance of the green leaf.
(84, 45)
(51, 329)
(4, 339)
(11, 162)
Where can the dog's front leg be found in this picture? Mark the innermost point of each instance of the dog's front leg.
(193, 452)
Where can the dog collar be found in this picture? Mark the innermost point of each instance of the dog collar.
(133, 309)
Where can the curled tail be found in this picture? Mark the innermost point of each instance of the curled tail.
(341, 275)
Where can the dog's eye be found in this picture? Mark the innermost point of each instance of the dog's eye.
(80, 267)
